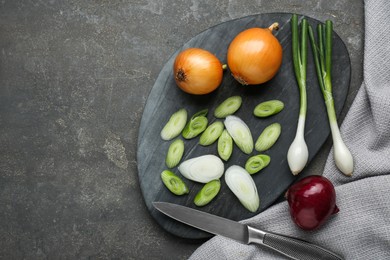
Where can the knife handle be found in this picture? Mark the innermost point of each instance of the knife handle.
(291, 247)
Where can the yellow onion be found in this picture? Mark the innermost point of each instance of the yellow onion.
(255, 55)
(197, 71)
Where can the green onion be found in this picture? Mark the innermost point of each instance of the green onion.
(175, 153)
(298, 153)
(202, 169)
(268, 108)
(174, 183)
(175, 125)
(256, 163)
(240, 182)
(268, 137)
(322, 53)
(225, 145)
(211, 134)
(228, 107)
(240, 133)
(207, 193)
(196, 125)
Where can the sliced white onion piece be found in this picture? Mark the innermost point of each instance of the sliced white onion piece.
(240, 182)
(175, 125)
(202, 169)
(240, 133)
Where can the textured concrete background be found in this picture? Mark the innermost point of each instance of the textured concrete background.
(74, 78)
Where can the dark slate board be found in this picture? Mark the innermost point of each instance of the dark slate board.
(166, 98)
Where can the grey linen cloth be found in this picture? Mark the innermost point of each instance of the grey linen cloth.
(361, 230)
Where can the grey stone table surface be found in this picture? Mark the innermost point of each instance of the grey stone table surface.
(74, 79)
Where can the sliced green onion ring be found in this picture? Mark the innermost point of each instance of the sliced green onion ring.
(240, 182)
(211, 134)
(240, 133)
(196, 125)
(225, 145)
(268, 108)
(207, 193)
(256, 163)
(268, 137)
(175, 125)
(174, 183)
(228, 107)
(175, 153)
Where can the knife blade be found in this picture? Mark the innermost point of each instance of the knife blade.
(291, 247)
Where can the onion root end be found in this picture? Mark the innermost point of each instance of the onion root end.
(181, 75)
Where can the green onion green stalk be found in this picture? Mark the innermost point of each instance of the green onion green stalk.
(322, 53)
(298, 154)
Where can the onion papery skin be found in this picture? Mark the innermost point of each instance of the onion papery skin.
(254, 56)
(312, 200)
(197, 71)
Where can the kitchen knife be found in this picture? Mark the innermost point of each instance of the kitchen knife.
(293, 248)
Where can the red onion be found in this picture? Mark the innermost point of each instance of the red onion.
(312, 201)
